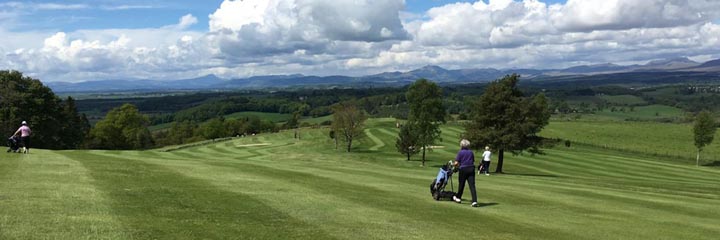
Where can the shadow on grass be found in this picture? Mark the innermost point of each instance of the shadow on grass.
(481, 205)
(713, 164)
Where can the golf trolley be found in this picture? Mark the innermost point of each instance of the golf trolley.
(437, 187)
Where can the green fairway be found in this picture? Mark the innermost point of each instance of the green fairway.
(272, 186)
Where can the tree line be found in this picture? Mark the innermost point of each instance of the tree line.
(503, 117)
(56, 123)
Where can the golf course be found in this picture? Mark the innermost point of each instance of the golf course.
(272, 186)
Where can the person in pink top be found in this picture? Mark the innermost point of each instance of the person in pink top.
(25, 133)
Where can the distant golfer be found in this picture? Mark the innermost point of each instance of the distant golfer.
(466, 160)
(485, 167)
(24, 132)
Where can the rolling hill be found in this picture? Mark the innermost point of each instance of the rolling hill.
(659, 71)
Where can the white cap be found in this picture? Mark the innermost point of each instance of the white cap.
(24, 123)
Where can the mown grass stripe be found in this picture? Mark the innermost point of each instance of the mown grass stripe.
(605, 166)
(154, 202)
(391, 202)
(339, 188)
(44, 195)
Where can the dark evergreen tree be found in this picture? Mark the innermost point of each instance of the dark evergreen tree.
(75, 127)
(55, 125)
(506, 120)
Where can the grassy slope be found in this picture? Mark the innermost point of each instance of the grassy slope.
(623, 99)
(274, 187)
(674, 140)
(317, 120)
(273, 117)
(646, 113)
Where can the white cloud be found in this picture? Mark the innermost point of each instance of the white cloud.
(56, 6)
(43, 6)
(590, 31)
(113, 53)
(126, 7)
(589, 15)
(258, 27)
(353, 37)
(185, 22)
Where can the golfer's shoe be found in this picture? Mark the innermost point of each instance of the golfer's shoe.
(457, 200)
(474, 204)
(487, 174)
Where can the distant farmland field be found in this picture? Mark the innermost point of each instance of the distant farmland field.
(642, 113)
(674, 140)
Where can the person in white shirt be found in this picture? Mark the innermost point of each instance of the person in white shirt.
(485, 167)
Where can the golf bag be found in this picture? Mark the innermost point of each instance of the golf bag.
(437, 187)
(13, 144)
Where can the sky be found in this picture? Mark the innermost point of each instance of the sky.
(83, 40)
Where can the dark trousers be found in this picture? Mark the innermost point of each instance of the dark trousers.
(485, 167)
(467, 174)
(25, 142)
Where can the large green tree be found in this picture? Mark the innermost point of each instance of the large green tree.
(348, 122)
(506, 120)
(123, 128)
(180, 133)
(214, 128)
(236, 127)
(426, 112)
(55, 124)
(704, 131)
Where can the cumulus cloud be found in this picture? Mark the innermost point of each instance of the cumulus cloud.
(115, 53)
(354, 37)
(506, 23)
(589, 15)
(558, 35)
(499, 23)
(259, 27)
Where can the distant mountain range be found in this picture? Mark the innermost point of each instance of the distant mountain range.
(668, 70)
